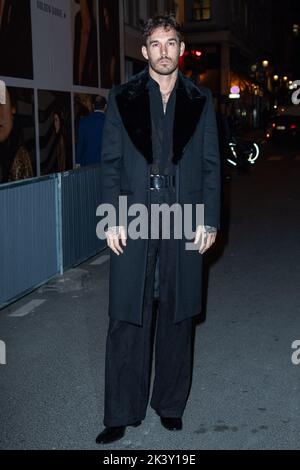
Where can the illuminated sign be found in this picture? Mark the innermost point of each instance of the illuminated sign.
(235, 90)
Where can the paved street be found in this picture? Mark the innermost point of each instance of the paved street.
(245, 392)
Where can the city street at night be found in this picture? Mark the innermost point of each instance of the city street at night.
(149, 230)
(245, 389)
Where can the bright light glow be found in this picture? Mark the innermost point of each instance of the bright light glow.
(234, 96)
(292, 85)
(253, 157)
(296, 29)
(265, 63)
(197, 53)
(276, 78)
(235, 90)
(232, 146)
(285, 78)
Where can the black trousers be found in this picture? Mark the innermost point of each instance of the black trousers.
(129, 347)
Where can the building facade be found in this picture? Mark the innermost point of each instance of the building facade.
(255, 43)
(230, 43)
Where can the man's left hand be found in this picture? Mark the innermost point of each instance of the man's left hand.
(207, 235)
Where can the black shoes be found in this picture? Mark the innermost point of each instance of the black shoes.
(172, 424)
(113, 433)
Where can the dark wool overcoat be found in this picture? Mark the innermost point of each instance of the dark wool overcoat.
(125, 169)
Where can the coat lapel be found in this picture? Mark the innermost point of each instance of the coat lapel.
(134, 107)
(189, 107)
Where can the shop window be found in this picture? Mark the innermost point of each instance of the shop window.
(201, 10)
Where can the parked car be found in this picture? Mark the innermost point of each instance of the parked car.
(284, 128)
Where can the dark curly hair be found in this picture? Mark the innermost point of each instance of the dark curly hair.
(167, 22)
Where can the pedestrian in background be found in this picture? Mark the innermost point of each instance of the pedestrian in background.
(89, 144)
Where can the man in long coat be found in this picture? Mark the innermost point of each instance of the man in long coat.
(160, 146)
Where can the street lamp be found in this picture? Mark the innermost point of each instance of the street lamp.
(265, 63)
(276, 78)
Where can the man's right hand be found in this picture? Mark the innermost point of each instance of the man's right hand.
(113, 236)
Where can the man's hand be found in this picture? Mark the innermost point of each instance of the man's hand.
(113, 234)
(207, 235)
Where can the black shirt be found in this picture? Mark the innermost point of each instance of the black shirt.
(162, 129)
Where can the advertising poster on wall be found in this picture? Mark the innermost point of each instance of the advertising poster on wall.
(55, 131)
(15, 39)
(17, 135)
(109, 43)
(52, 44)
(85, 43)
(33, 58)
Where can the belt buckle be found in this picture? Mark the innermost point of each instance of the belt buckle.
(157, 182)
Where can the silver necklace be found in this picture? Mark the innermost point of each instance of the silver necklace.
(165, 97)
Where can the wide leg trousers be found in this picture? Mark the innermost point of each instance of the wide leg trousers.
(129, 347)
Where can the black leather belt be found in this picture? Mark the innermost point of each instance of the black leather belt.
(161, 181)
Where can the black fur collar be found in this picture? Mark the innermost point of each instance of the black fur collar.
(134, 106)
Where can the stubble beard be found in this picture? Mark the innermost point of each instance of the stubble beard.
(166, 69)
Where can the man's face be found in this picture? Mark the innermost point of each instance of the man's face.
(7, 112)
(163, 50)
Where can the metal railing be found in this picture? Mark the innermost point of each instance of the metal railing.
(47, 225)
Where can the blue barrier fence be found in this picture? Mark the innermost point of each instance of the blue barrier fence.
(47, 225)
